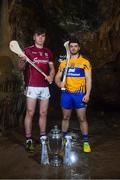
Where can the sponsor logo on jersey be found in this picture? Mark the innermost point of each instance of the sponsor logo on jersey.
(71, 70)
(75, 72)
(40, 61)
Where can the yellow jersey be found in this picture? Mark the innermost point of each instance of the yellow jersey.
(75, 79)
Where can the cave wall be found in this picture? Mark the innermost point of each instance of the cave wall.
(11, 84)
(95, 23)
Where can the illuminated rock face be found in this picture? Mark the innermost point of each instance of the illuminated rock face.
(10, 79)
(11, 96)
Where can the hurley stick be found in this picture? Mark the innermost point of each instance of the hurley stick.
(66, 45)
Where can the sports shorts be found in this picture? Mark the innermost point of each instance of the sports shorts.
(71, 100)
(41, 93)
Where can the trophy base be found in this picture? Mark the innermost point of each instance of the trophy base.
(56, 161)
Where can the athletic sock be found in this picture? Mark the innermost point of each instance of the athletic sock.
(85, 137)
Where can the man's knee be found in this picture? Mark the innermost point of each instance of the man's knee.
(30, 112)
(43, 113)
(66, 117)
(82, 120)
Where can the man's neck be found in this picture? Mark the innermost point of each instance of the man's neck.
(39, 46)
(75, 56)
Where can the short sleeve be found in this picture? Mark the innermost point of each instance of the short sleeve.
(87, 66)
(62, 66)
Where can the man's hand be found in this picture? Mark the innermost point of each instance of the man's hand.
(49, 79)
(22, 58)
(86, 98)
(61, 84)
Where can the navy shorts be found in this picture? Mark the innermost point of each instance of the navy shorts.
(71, 100)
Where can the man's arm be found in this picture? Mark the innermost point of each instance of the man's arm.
(88, 77)
(58, 81)
(51, 73)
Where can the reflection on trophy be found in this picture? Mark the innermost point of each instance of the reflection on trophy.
(68, 146)
(55, 144)
(44, 152)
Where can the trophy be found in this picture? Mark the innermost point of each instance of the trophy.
(55, 145)
(68, 147)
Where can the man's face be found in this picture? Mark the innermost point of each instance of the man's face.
(39, 39)
(74, 48)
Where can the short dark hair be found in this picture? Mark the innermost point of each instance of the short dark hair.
(74, 40)
(39, 31)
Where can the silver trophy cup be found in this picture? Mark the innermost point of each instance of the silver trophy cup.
(55, 145)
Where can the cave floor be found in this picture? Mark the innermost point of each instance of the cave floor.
(102, 163)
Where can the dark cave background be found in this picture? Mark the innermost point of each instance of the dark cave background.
(97, 26)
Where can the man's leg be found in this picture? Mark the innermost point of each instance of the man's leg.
(43, 108)
(66, 118)
(66, 104)
(31, 104)
(81, 113)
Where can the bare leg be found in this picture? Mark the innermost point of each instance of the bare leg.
(81, 113)
(31, 104)
(43, 108)
(66, 118)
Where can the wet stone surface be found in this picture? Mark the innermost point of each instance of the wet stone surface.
(20, 164)
(102, 163)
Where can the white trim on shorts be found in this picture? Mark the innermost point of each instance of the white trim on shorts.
(41, 93)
